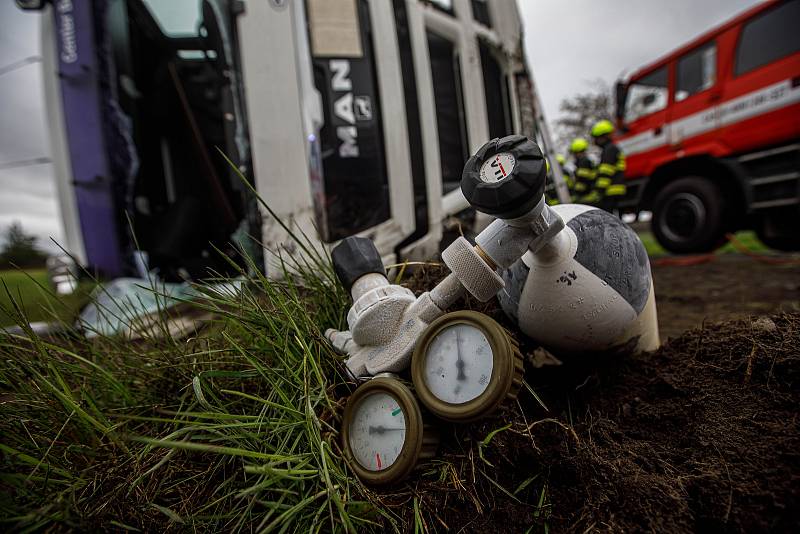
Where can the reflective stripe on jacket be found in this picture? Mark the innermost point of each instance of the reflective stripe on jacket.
(584, 174)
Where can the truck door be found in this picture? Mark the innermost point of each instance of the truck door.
(693, 114)
(761, 101)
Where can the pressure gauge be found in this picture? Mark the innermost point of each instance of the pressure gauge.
(465, 366)
(383, 434)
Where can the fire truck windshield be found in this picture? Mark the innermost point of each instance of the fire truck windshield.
(646, 95)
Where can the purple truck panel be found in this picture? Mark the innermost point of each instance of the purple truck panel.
(84, 124)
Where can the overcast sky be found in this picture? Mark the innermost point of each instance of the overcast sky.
(569, 43)
(27, 193)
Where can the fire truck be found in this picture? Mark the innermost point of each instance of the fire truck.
(348, 117)
(711, 132)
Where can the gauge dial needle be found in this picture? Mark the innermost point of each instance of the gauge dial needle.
(460, 361)
(382, 429)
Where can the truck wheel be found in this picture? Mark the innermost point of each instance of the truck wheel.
(689, 216)
(778, 230)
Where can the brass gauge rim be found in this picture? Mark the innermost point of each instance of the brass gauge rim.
(507, 368)
(419, 442)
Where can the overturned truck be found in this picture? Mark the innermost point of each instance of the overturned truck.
(348, 117)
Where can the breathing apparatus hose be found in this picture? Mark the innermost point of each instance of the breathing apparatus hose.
(684, 261)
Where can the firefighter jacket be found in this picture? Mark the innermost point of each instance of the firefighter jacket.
(585, 175)
(610, 180)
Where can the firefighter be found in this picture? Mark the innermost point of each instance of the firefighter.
(585, 173)
(610, 182)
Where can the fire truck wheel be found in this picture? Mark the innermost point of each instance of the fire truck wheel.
(689, 216)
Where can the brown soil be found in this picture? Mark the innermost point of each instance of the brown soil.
(702, 435)
(729, 287)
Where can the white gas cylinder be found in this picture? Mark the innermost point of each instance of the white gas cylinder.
(589, 289)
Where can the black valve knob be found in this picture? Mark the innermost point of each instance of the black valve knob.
(506, 177)
(353, 258)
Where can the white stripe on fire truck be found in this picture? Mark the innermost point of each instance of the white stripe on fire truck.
(767, 99)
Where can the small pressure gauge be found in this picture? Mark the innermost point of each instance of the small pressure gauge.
(465, 366)
(383, 434)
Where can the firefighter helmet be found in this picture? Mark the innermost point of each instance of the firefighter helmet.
(579, 144)
(602, 127)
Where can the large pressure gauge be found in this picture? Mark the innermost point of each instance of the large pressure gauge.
(383, 434)
(465, 366)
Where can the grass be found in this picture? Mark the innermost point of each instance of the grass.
(234, 430)
(747, 238)
(32, 289)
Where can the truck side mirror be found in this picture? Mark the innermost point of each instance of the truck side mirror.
(620, 95)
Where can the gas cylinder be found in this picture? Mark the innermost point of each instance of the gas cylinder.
(588, 289)
(575, 278)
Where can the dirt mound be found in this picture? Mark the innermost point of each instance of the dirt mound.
(701, 435)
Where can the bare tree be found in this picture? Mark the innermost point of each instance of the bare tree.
(580, 111)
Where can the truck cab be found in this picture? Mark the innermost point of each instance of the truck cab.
(347, 117)
(711, 133)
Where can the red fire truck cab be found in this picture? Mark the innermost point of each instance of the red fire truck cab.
(711, 133)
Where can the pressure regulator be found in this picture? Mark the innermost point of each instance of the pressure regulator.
(464, 367)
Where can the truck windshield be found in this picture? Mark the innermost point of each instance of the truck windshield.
(647, 95)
